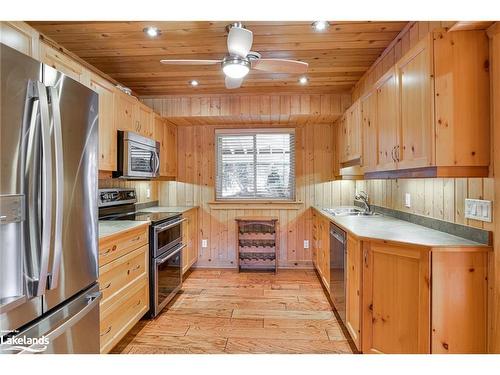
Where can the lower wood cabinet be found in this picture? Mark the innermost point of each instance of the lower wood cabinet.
(124, 283)
(321, 248)
(396, 299)
(353, 271)
(190, 239)
(21, 37)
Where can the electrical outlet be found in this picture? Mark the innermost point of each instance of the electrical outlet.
(204, 243)
(407, 200)
(478, 209)
(148, 193)
(306, 244)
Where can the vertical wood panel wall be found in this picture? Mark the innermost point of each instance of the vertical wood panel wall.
(195, 186)
(439, 198)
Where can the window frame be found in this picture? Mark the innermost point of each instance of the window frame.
(255, 131)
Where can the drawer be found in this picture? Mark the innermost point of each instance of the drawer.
(113, 247)
(116, 276)
(123, 314)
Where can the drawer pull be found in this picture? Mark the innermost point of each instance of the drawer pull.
(107, 331)
(137, 238)
(109, 250)
(106, 287)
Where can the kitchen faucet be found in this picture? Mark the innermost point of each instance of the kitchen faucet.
(363, 197)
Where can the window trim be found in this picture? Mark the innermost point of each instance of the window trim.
(238, 131)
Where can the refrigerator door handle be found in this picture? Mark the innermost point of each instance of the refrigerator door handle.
(92, 301)
(53, 97)
(46, 189)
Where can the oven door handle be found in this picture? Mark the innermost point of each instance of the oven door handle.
(163, 260)
(168, 226)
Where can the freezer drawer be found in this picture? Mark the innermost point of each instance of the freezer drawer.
(70, 329)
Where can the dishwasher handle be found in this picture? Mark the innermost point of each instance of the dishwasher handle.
(337, 236)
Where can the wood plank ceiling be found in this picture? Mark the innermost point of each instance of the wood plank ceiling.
(337, 57)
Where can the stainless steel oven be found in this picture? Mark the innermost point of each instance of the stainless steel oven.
(166, 277)
(166, 262)
(138, 156)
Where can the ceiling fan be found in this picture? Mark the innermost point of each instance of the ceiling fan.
(238, 62)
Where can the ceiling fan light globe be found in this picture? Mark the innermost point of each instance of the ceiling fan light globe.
(235, 68)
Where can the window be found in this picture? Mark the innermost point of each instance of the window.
(255, 164)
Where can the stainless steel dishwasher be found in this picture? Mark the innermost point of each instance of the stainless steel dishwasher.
(337, 269)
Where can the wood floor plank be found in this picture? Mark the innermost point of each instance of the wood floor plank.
(224, 311)
(276, 346)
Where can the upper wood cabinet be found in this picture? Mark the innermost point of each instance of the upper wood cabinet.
(387, 120)
(65, 64)
(166, 134)
(125, 111)
(20, 37)
(431, 111)
(351, 135)
(144, 120)
(416, 90)
(369, 158)
(107, 129)
(396, 299)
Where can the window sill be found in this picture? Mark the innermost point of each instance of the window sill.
(255, 205)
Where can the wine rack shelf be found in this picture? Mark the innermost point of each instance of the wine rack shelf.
(257, 243)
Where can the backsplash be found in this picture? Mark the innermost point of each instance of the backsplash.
(438, 198)
(141, 188)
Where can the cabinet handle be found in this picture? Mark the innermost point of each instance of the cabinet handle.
(136, 239)
(109, 250)
(365, 257)
(107, 331)
(106, 287)
(397, 153)
(392, 154)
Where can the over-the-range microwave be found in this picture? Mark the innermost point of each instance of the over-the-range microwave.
(138, 156)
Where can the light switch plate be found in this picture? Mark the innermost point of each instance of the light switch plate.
(148, 193)
(204, 243)
(306, 244)
(478, 209)
(407, 200)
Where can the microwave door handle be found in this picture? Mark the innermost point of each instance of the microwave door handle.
(46, 189)
(161, 261)
(157, 158)
(59, 173)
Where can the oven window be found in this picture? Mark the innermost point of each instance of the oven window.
(169, 237)
(141, 160)
(169, 276)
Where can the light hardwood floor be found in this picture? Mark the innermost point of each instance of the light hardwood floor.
(223, 311)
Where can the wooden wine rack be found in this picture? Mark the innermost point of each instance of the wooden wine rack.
(257, 243)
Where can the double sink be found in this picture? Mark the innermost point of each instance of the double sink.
(350, 211)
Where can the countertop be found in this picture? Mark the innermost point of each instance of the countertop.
(110, 227)
(395, 230)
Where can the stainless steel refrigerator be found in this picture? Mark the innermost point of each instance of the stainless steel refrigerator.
(49, 296)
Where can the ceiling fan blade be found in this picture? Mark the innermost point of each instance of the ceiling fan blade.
(190, 62)
(239, 41)
(280, 66)
(233, 83)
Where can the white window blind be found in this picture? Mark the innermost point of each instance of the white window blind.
(256, 165)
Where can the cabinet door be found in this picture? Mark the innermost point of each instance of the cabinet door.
(65, 64)
(107, 130)
(354, 132)
(315, 242)
(21, 37)
(144, 121)
(170, 139)
(415, 78)
(190, 239)
(325, 247)
(160, 135)
(353, 269)
(387, 120)
(344, 142)
(396, 299)
(369, 124)
(125, 106)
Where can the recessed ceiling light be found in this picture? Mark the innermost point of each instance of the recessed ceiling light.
(320, 25)
(152, 31)
(194, 83)
(303, 80)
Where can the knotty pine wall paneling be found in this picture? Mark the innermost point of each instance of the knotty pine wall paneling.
(195, 186)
